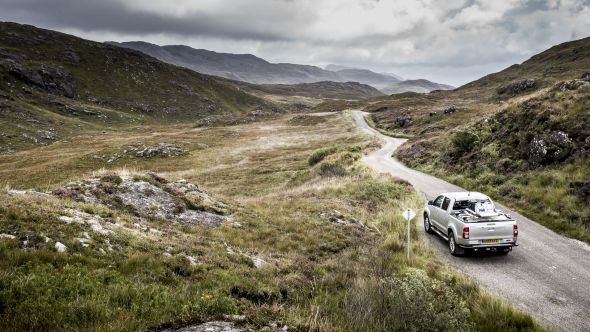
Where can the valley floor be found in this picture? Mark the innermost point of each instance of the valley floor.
(314, 239)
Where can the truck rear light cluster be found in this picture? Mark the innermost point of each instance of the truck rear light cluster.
(466, 233)
(515, 231)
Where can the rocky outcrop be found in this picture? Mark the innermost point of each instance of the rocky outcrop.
(160, 150)
(54, 80)
(537, 151)
(572, 85)
(518, 87)
(555, 147)
(149, 197)
(403, 120)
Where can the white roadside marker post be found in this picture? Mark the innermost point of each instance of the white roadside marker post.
(408, 214)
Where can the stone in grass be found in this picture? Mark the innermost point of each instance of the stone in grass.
(214, 326)
(60, 247)
(258, 262)
(160, 150)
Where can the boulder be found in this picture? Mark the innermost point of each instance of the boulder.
(403, 120)
(60, 247)
(450, 110)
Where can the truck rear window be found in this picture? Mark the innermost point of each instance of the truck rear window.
(446, 203)
(473, 205)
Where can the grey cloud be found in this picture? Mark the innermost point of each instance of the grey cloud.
(114, 16)
(437, 40)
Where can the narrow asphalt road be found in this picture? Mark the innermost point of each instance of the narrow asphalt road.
(548, 275)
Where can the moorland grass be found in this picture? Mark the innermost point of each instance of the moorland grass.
(319, 273)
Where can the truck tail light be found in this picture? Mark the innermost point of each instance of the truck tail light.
(466, 233)
(515, 231)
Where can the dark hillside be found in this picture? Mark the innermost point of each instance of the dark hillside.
(54, 85)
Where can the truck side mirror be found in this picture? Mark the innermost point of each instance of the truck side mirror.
(430, 202)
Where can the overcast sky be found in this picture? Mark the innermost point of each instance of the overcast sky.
(450, 41)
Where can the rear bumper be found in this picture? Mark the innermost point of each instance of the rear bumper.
(488, 246)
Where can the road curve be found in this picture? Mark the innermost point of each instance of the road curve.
(548, 275)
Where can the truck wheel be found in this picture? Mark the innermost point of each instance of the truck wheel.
(427, 225)
(453, 248)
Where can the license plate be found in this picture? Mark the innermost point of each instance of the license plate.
(490, 241)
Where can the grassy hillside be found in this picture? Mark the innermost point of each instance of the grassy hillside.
(315, 241)
(561, 62)
(53, 85)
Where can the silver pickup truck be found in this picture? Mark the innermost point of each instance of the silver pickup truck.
(469, 220)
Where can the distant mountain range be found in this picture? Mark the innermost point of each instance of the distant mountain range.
(252, 69)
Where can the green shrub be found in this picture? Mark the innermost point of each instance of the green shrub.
(410, 302)
(378, 191)
(320, 154)
(331, 169)
(111, 178)
(463, 141)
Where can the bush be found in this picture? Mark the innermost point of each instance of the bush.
(332, 168)
(111, 178)
(319, 155)
(463, 142)
(379, 191)
(410, 302)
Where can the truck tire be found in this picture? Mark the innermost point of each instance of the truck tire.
(453, 248)
(427, 224)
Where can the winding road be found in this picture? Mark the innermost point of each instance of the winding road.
(548, 275)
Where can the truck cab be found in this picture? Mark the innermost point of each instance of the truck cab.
(470, 221)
